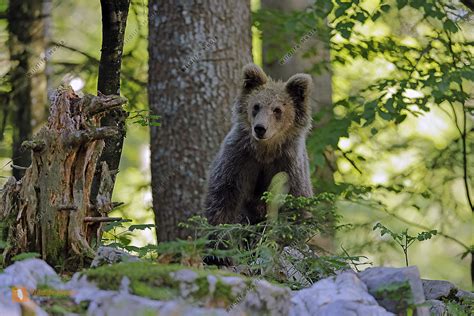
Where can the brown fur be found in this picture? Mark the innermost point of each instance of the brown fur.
(247, 162)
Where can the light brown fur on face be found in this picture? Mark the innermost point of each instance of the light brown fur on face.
(260, 103)
(270, 108)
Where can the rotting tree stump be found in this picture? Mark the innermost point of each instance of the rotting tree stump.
(49, 210)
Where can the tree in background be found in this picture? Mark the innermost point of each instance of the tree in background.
(114, 22)
(196, 53)
(28, 95)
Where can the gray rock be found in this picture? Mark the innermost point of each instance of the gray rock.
(437, 308)
(109, 255)
(404, 283)
(118, 304)
(464, 295)
(29, 274)
(262, 298)
(342, 295)
(288, 269)
(436, 289)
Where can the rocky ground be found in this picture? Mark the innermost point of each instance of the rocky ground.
(143, 288)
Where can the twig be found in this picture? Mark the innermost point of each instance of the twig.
(463, 133)
(351, 161)
(90, 219)
(18, 167)
(427, 228)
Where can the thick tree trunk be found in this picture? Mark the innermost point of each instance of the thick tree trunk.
(114, 21)
(196, 53)
(49, 210)
(28, 97)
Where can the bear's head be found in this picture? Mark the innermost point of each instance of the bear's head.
(273, 111)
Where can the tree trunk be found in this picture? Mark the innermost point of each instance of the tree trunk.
(114, 21)
(196, 53)
(49, 210)
(28, 97)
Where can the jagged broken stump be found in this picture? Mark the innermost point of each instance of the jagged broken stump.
(49, 211)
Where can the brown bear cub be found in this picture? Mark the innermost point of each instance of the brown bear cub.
(270, 122)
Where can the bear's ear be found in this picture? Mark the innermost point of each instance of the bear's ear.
(253, 77)
(299, 88)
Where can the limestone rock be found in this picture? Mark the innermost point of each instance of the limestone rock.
(403, 283)
(27, 274)
(344, 294)
(109, 255)
(437, 308)
(436, 289)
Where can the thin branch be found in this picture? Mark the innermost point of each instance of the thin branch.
(351, 161)
(90, 219)
(92, 134)
(76, 50)
(463, 133)
(427, 228)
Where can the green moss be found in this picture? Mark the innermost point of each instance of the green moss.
(155, 281)
(63, 305)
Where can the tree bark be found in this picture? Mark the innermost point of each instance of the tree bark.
(114, 21)
(196, 52)
(28, 98)
(45, 212)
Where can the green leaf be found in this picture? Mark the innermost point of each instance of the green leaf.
(345, 33)
(385, 8)
(400, 118)
(450, 26)
(25, 255)
(361, 17)
(384, 115)
(401, 3)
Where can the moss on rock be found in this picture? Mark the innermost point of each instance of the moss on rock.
(166, 282)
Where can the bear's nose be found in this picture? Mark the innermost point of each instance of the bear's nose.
(259, 130)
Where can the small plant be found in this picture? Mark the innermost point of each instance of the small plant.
(145, 118)
(460, 307)
(279, 248)
(25, 255)
(400, 293)
(118, 236)
(403, 239)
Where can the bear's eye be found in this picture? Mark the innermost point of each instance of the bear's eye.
(277, 111)
(256, 108)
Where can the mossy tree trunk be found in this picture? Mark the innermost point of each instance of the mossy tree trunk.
(49, 211)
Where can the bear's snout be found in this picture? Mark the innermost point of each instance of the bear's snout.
(259, 131)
